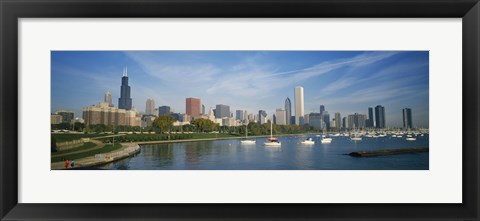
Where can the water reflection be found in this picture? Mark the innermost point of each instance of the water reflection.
(231, 154)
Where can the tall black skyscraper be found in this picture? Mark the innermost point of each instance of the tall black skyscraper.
(288, 111)
(125, 101)
(380, 116)
(163, 110)
(407, 118)
(370, 121)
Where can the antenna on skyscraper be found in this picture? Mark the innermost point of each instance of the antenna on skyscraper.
(125, 71)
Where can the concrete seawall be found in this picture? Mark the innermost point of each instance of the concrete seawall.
(127, 150)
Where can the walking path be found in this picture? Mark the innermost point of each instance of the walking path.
(127, 150)
(116, 135)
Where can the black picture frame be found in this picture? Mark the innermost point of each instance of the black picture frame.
(12, 10)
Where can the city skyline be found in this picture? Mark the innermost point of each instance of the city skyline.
(345, 82)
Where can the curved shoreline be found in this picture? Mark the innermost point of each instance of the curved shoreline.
(92, 161)
(127, 150)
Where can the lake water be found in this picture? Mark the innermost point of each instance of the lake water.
(231, 155)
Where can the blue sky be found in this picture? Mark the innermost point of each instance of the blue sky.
(344, 81)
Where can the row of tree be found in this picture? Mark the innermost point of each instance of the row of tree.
(164, 124)
(77, 126)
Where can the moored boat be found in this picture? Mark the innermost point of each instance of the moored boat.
(308, 141)
(247, 141)
(272, 141)
(326, 140)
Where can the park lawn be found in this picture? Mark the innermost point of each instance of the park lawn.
(69, 137)
(105, 149)
(85, 146)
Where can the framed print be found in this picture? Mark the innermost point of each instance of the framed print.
(226, 110)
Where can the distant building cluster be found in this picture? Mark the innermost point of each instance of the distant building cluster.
(61, 116)
(126, 115)
(106, 115)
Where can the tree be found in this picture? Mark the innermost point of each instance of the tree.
(77, 126)
(87, 129)
(164, 123)
(204, 125)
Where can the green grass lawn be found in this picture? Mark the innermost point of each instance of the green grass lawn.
(85, 146)
(69, 137)
(105, 149)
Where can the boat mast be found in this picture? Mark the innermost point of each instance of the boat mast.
(271, 134)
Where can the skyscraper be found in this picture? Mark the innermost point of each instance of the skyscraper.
(338, 120)
(370, 122)
(222, 111)
(281, 118)
(239, 115)
(306, 118)
(193, 106)
(380, 116)
(356, 121)
(125, 101)
(150, 107)
(108, 99)
(407, 118)
(315, 120)
(163, 110)
(322, 108)
(299, 105)
(288, 111)
(326, 119)
(262, 117)
(203, 109)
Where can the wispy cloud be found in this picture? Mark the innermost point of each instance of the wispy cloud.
(246, 79)
(385, 75)
(179, 74)
(255, 80)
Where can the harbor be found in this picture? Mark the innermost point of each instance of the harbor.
(291, 154)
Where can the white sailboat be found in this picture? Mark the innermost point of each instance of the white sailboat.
(308, 141)
(356, 137)
(326, 140)
(247, 141)
(272, 141)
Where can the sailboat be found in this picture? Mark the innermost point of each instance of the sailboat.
(326, 139)
(308, 141)
(247, 141)
(272, 141)
(355, 135)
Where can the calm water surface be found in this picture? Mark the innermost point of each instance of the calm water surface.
(231, 155)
